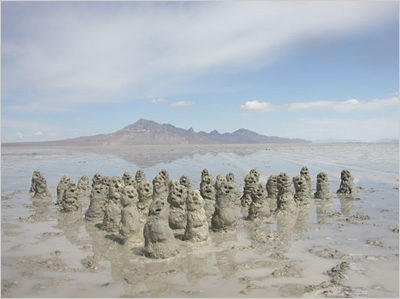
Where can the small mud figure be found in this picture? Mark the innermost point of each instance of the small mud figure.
(112, 215)
(259, 209)
(225, 216)
(306, 174)
(206, 177)
(302, 196)
(197, 224)
(98, 200)
(97, 179)
(219, 181)
(116, 187)
(230, 177)
(39, 187)
(159, 241)
(83, 186)
(177, 200)
(255, 173)
(145, 191)
(347, 186)
(323, 188)
(250, 182)
(185, 181)
(140, 176)
(70, 202)
(160, 190)
(130, 228)
(61, 187)
(272, 190)
(286, 201)
(207, 191)
(165, 175)
(128, 180)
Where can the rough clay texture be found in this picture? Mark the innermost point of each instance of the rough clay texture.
(165, 176)
(145, 191)
(98, 200)
(130, 228)
(197, 224)
(70, 201)
(286, 201)
(61, 187)
(323, 188)
(177, 200)
(225, 216)
(159, 241)
(273, 192)
(160, 190)
(128, 180)
(302, 196)
(250, 182)
(347, 186)
(97, 179)
(83, 186)
(38, 189)
(306, 174)
(140, 177)
(259, 209)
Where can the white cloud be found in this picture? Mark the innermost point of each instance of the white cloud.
(73, 50)
(342, 106)
(181, 104)
(158, 101)
(39, 133)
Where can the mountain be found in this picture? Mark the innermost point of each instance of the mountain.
(151, 132)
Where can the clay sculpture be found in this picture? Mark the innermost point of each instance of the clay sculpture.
(185, 181)
(286, 201)
(116, 187)
(36, 176)
(302, 196)
(272, 190)
(130, 228)
(61, 187)
(323, 188)
(40, 191)
(347, 186)
(165, 175)
(145, 192)
(250, 181)
(98, 200)
(160, 190)
(70, 202)
(97, 179)
(106, 182)
(159, 241)
(207, 192)
(177, 200)
(83, 186)
(225, 216)
(230, 177)
(259, 209)
(128, 180)
(306, 174)
(255, 173)
(197, 224)
(219, 181)
(112, 214)
(140, 176)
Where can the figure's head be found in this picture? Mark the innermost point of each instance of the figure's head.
(259, 192)
(145, 189)
(194, 201)
(185, 181)
(300, 184)
(304, 171)
(177, 194)
(159, 208)
(97, 178)
(140, 176)
(129, 195)
(230, 177)
(117, 182)
(322, 177)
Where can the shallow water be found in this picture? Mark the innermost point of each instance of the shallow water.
(46, 253)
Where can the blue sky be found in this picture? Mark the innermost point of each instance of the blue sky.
(315, 70)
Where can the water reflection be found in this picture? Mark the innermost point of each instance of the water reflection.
(301, 225)
(324, 207)
(346, 204)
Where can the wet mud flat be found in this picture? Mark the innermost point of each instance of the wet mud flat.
(341, 248)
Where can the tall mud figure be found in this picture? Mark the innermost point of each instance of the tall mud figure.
(83, 186)
(61, 187)
(304, 172)
(145, 190)
(347, 186)
(302, 196)
(36, 176)
(230, 177)
(250, 182)
(130, 228)
(39, 188)
(165, 176)
(225, 216)
(207, 191)
(70, 202)
(112, 215)
(177, 200)
(160, 190)
(197, 224)
(97, 205)
(259, 209)
(323, 187)
(273, 192)
(286, 203)
(159, 240)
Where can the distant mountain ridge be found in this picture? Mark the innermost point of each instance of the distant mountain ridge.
(148, 132)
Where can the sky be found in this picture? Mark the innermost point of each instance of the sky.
(316, 70)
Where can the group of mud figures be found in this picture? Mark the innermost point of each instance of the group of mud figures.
(137, 210)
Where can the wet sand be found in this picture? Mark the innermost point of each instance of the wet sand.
(342, 248)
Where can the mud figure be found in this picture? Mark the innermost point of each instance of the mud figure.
(347, 186)
(197, 224)
(219, 181)
(98, 200)
(106, 182)
(61, 187)
(128, 180)
(185, 181)
(207, 191)
(230, 177)
(159, 241)
(250, 181)
(116, 187)
(225, 216)
(165, 175)
(286, 201)
(140, 176)
(97, 179)
(206, 178)
(177, 200)
(83, 186)
(259, 209)
(39, 187)
(36, 177)
(306, 174)
(145, 192)
(272, 190)
(160, 190)
(323, 188)
(70, 202)
(130, 228)
(112, 215)
(302, 196)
